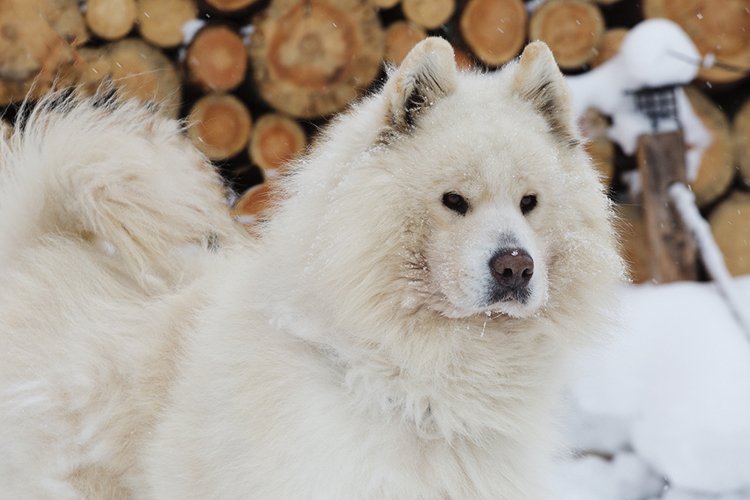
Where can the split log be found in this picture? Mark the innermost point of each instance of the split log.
(275, 141)
(741, 141)
(717, 168)
(385, 4)
(219, 125)
(217, 59)
(160, 22)
(312, 58)
(730, 224)
(599, 146)
(673, 252)
(573, 29)
(494, 30)
(400, 38)
(110, 19)
(430, 14)
(230, 6)
(139, 70)
(720, 27)
(631, 233)
(609, 46)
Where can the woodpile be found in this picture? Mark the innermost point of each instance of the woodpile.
(255, 80)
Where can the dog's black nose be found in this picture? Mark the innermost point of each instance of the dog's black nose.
(512, 268)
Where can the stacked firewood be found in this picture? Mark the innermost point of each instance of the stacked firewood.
(256, 79)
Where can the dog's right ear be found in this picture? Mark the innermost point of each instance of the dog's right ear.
(427, 74)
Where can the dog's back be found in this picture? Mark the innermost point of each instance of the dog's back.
(99, 200)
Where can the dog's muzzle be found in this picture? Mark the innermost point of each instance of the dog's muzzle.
(511, 269)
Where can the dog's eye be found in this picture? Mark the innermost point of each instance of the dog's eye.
(528, 203)
(456, 202)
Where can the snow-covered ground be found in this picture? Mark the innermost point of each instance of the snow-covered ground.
(662, 409)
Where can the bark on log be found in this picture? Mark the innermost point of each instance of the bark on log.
(219, 125)
(717, 168)
(609, 46)
(672, 249)
(430, 14)
(275, 141)
(631, 233)
(139, 70)
(217, 59)
(312, 58)
(741, 141)
(400, 38)
(730, 224)
(573, 29)
(110, 19)
(160, 22)
(230, 6)
(719, 27)
(494, 30)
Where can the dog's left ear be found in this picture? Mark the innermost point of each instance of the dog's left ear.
(538, 80)
(427, 74)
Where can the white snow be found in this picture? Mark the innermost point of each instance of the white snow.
(668, 396)
(190, 29)
(656, 52)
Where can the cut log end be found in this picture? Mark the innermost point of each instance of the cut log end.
(255, 205)
(609, 46)
(276, 140)
(400, 38)
(111, 19)
(217, 59)
(219, 126)
(311, 59)
(718, 28)
(385, 4)
(741, 141)
(230, 6)
(572, 28)
(430, 14)
(494, 30)
(160, 22)
(730, 224)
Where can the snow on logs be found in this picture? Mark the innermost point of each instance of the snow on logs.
(311, 59)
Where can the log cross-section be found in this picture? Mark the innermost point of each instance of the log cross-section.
(495, 30)
(661, 162)
(217, 59)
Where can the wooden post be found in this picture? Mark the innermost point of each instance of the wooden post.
(661, 162)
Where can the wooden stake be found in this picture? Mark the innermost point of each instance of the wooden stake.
(400, 38)
(219, 125)
(428, 13)
(661, 162)
(110, 19)
(573, 30)
(312, 58)
(494, 30)
(717, 169)
(720, 27)
(217, 59)
(276, 140)
(160, 21)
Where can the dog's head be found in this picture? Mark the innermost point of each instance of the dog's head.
(492, 179)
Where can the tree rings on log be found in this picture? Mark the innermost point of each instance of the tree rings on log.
(494, 30)
(139, 70)
(276, 140)
(255, 205)
(160, 22)
(310, 59)
(719, 27)
(730, 224)
(741, 140)
(110, 19)
(400, 38)
(717, 168)
(573, 29)
(217, 59)
(219, 125)
(430, 14)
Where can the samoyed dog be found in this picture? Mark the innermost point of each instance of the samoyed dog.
(398, 331)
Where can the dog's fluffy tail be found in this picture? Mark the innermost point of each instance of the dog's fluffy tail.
(111, 170)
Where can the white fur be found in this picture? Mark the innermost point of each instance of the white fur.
(347, 354)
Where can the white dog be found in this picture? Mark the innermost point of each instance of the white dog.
(397, 332)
